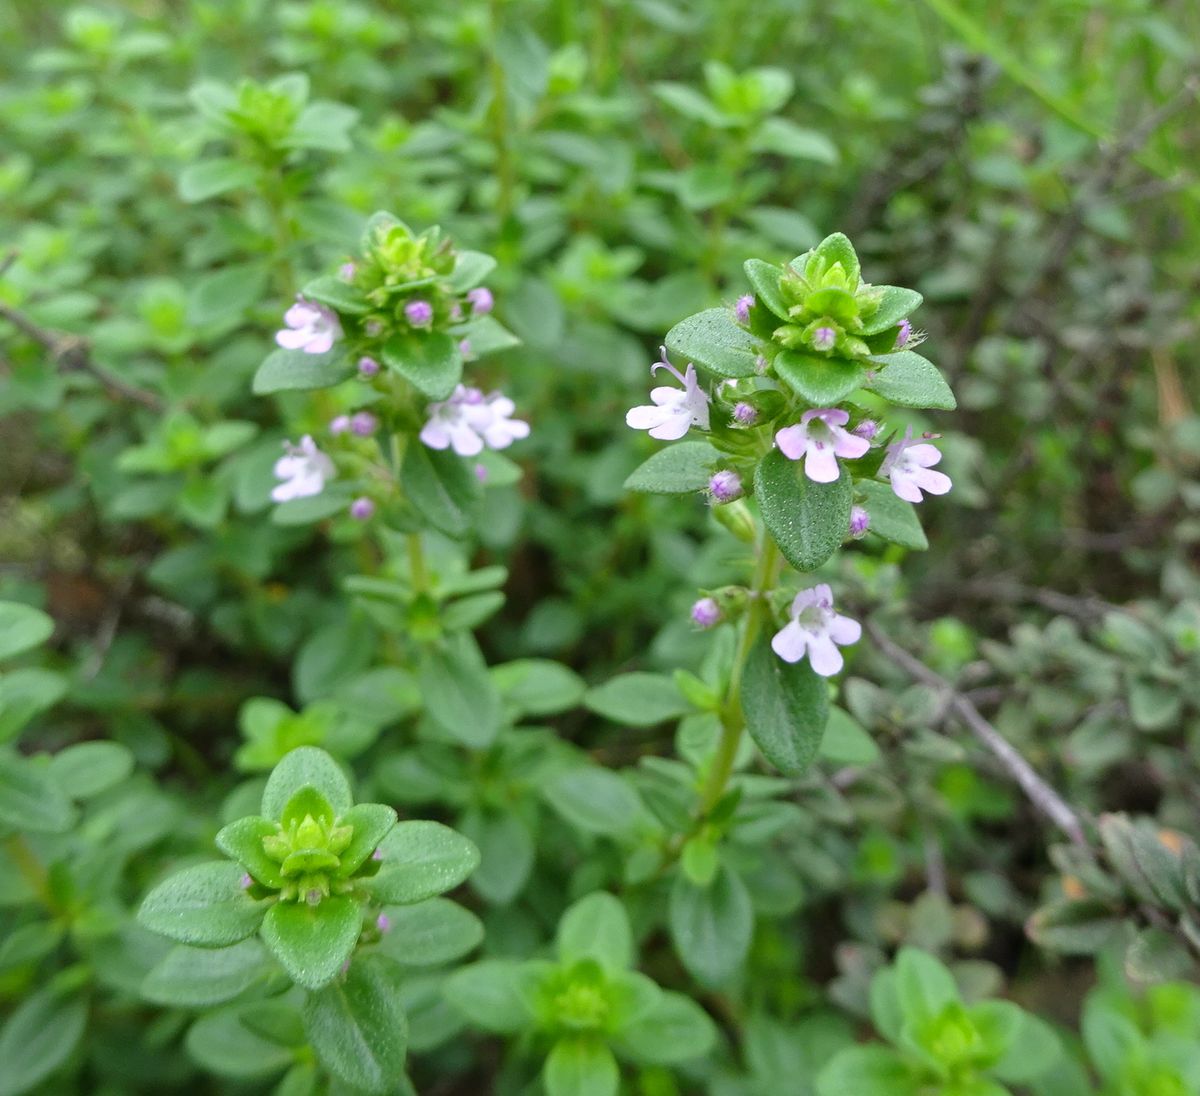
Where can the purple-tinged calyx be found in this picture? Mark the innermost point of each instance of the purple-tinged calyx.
(419, 313)
(481, 299)
(824, 338)
(744, 413)
(725, 486)
(741, 308)
(868, 428)
(705, 613)
(860, 522)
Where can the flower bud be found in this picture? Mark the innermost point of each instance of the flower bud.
(868, 428)
(419, 313)
(367, 367)
(339, 425)
(383, 923)
(705, 613)
(346, 270)
(742, 308)
(481, 300)
(903, 333)
(744, 413)
(363, 424)
(725, 486)
(823, 338)
(860, 522)
(362, 508)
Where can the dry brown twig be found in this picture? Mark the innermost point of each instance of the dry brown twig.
(72, 352)
(1036, 790)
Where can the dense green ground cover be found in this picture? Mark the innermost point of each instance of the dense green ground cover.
(965, 863)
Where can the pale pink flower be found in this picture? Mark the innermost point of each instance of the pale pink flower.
(909, 466)
(674, 410)
(311, 327)
(469, 420)
(819, 439)
(303, 469)
(817, 631)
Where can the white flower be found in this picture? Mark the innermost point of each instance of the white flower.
(674, 410)
(819, 438)
(311, 327)
(303, 470)
(468, 421)
(816, 630)
(909, 465)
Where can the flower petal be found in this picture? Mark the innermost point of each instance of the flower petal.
(792, 441)
(844, 631)
(790, 642)
(821, 464)
(823, 656)
(936, 483)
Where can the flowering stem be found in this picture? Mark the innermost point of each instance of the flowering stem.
(733, 719)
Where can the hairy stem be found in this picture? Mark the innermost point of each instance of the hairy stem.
(733, 719)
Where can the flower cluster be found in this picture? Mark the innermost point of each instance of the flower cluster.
(408, 311)
(796, 358)
(469, 420)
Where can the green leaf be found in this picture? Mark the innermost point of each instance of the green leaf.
(581, 1065)
(595, 800)
(711, 926)
(312, 942)
(637, 700)
(203, 905)
(924, 987)
(867, 1071)
(896, 303)
(338, 294)
(26, 693)
(1075, 928)
(675, 1030)
(29, 943)
(538, 686)
(837, 248)
(223, 1043)
(243, 841)
(372, 822)
(807, 520)
(1157, 955)
(421, 859)
(494, 994)
(822, 381)
(596, 927)
(764, 277)
(22, 627)
(680, 469)
(358, 1028)
(845, 742)
(460, 696)
(1032, 1049)
(442, 487)
(306, 766)
(296, 371)
(786, 707)
(784, 138)
(90, 768)
(486, 335)
(431, 362)
(199, 977)
(39, 1036)
(30, 799)
(506, 849)
(891, 517)
(209, 178)
(909, 380)
(470, 270)
(430, 933)
(713, 340)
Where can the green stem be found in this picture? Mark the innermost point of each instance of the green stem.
(416, 563)
(733, 719)
(31, 869)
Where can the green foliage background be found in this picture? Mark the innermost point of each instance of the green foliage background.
(1031, 169)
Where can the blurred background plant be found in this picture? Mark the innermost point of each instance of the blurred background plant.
(171, 174)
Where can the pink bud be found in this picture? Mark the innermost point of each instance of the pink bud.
(705, 613)
(363, 424)
(368, 367)
(419, 313)
(361, 509)
(481, 300)
(383, 923)
(339, 425)
(742, 308)
(725, 486)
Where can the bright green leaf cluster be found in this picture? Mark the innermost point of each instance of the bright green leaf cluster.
(589, 1003)
(939, 1045)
